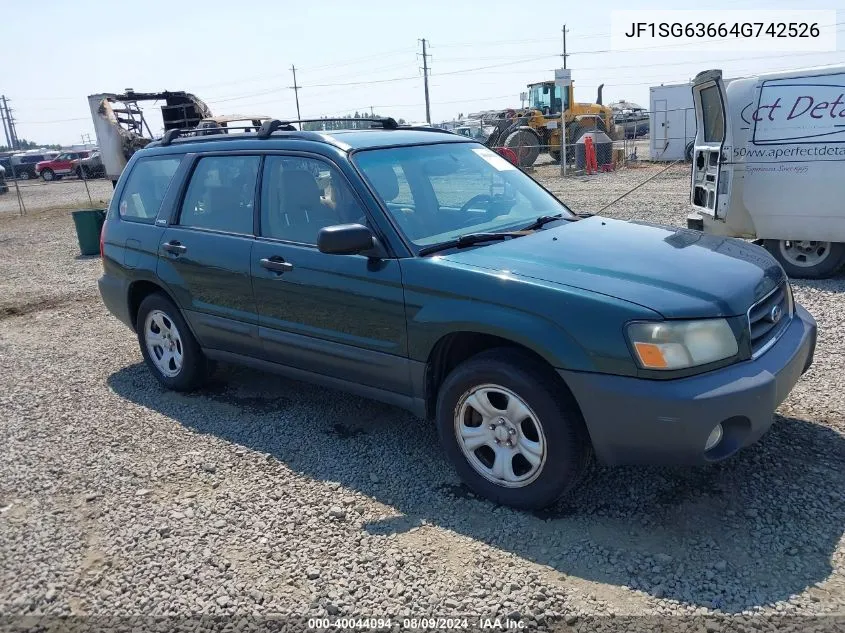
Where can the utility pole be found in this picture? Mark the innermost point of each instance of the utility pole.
(371, 112)
(296, 91)
(564, 30)
(9, 122)
(5, 128)
(425, 57)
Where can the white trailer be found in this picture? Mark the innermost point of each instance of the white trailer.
(671, 122)
(770, 164)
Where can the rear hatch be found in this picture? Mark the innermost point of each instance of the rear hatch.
(711, 181)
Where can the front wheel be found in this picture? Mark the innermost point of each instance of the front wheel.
(525, 144)
(808, 259)
(509, 430)
(169, 349)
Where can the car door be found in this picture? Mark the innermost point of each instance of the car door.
(205, 253)
(341, 316)
(711, 177)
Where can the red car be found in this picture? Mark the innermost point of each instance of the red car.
(60, 166)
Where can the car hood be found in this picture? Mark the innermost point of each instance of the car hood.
(679, 273)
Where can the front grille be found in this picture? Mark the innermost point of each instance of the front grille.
(769, 317)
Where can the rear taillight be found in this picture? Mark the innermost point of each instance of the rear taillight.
(102, 240)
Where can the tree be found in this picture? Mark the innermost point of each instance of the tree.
(25, 144)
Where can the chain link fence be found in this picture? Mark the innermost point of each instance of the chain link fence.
(78, 183)
(63, 180)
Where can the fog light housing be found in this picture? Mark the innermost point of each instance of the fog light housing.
(715, 438)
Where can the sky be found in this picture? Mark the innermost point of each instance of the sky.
(349, 56)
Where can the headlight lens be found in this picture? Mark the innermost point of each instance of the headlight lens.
(668, 345)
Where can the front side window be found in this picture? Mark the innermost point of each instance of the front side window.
(221, 194)
(453, 189)
(144, 191)
(300, 196)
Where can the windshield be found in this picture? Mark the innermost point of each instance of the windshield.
(540, 96)
(439, 192)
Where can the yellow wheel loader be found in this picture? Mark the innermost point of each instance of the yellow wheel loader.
(536, 129)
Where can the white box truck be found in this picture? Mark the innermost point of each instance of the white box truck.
(769, 164)
(671, 122)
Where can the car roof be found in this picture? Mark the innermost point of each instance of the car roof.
(346, 140)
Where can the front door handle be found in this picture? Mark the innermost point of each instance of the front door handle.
(276, 264)
(174, 247)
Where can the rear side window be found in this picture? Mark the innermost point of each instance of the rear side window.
(221, 194)
(145, 188)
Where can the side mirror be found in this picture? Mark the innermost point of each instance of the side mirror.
(346, 239)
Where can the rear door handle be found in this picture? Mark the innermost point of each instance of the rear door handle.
(276, 264)
(174, 247)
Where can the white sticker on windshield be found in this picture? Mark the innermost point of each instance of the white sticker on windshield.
(494, 159)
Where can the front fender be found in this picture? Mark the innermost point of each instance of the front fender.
(571, 328)
(440, 316)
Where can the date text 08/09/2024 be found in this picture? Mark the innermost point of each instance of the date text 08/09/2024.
(411, 623)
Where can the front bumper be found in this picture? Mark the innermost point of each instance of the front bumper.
(662, 422)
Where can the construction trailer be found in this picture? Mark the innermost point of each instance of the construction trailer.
(671, 122)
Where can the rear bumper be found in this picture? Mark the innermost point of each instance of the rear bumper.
(637, 421)
(114, 293)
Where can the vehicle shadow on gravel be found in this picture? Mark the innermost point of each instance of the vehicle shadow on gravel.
(747, 532)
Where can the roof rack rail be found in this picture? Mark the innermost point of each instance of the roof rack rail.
(170, 136)
(268, 127)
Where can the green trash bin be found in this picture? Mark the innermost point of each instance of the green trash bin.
(88, 224)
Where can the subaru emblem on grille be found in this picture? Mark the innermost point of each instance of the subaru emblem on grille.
(775, 314)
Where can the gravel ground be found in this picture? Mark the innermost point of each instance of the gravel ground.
(262, 496)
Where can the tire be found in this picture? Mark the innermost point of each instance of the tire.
(82, 173)
(193, 370)
(526, 144)
(807, 259)
(688, 151)
(24, 175)
(555, 154)
(561, 431)
(48, 175)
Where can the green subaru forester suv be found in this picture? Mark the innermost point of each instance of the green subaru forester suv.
(421, 268)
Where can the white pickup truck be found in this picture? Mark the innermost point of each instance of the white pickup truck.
(769, 164)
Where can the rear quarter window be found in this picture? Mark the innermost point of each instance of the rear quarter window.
(145, 188)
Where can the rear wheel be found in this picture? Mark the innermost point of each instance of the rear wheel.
(170, 350)
(48, 175)
(808, 259)
(24, 175)
(526, 144)
(510, 432)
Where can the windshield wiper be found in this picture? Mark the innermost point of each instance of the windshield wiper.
(542, 220)
(468, 239)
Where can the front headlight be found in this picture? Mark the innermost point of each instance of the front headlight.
(671, 345)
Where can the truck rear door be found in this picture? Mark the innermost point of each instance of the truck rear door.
(711, 176)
